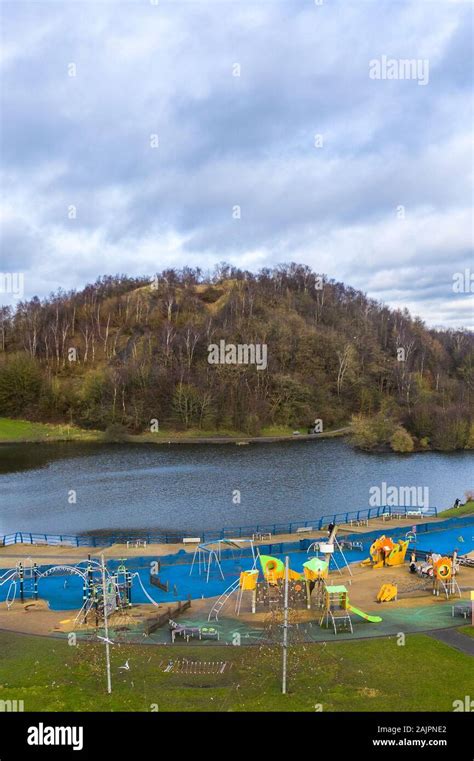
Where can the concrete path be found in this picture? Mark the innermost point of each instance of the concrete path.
(455, 639)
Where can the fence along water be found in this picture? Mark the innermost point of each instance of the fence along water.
(105, 540)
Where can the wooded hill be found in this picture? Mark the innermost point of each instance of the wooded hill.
(126, 351)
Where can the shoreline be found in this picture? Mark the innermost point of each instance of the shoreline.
(147, 438)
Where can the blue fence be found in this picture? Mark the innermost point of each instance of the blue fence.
(105, 540)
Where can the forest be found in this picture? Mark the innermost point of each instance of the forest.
(132, 353)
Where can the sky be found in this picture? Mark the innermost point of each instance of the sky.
(141, 135)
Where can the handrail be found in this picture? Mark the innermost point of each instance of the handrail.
(99, 540)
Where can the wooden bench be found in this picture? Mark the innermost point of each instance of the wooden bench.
(192, 540)
(304, 530)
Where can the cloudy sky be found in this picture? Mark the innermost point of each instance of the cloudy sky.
(235, 93)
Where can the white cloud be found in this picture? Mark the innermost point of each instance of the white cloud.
(249, 141)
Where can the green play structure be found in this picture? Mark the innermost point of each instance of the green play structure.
(336, 610)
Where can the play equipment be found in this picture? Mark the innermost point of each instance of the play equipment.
(337, 609)
(270, 592)
(315, 569)
(97, 599)
(348, 544)
(247, 583)
(387, 592)
(444, 571)
(208, 553)
(385, 552)
(274, 569)
(329, 548)
(266, 593)
(103, 592)
(22, 580)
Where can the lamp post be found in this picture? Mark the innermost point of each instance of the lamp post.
(106, 627)
(285, 630)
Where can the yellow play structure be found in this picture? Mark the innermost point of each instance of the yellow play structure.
(385, 552)
(387, 592)
(274, 570)
(315, 569)
(247, 583)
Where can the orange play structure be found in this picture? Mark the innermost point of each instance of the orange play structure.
(385, 552)
(443, 569)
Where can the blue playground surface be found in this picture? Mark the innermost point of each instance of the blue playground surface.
(64, 591)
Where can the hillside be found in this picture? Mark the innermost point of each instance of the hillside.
(126, 352)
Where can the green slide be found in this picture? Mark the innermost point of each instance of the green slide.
(372, 619)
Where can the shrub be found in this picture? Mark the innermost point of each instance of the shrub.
(376, 431)
(401, 441)
(115, 432)
(470, 438)
(20, 386)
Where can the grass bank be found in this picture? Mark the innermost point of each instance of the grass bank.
(18, 431)
(368, 675)
(25, 431)
(457, 512)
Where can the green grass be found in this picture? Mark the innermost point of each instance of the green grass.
(192, 433)
(467, 630)
(368, 675)
(467, 509)
(25, 430)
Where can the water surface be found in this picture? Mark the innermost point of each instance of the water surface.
(192, 487)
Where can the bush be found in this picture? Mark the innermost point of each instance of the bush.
(401, 441)
(373, 432)
(20, 387)
(470, 438)
(116, 432)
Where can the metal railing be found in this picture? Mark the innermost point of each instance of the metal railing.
(105, 540)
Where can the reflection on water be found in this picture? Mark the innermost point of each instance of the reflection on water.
(120, 486)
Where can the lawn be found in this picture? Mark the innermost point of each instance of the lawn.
(25, 430)
(368, 675)
(456, 512)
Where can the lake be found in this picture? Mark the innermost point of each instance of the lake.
(192, 487)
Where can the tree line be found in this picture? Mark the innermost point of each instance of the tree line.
(127, 351)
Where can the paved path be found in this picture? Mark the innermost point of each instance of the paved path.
(454, 639)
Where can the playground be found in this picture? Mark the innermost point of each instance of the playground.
(340, 585)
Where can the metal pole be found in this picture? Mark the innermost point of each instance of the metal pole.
(106, 627)
(285, 629)
(22, 594)
(35, 581)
